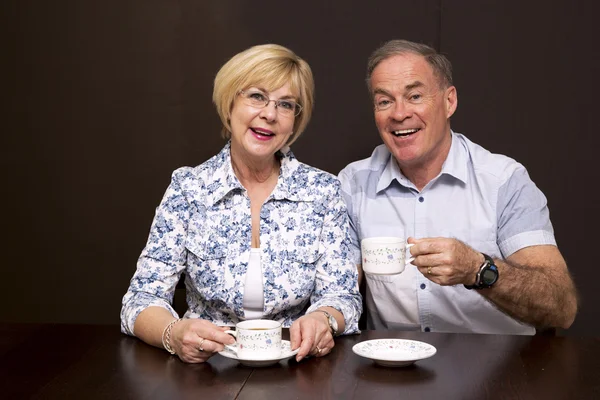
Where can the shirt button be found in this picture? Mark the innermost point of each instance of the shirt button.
(423, 286)
(427, 329)
(421, 199)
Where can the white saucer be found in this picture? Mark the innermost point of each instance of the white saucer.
(394, 352)
(286, 352)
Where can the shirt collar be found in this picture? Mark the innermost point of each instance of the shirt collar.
(291, 184)
(223, 178)
(456, 163)
(288, 186)
(455, 166)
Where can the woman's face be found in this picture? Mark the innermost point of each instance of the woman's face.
(259, 132)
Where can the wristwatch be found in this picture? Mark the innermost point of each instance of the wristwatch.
(333, 325)
(486, 276)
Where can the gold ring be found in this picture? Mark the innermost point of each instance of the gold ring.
(319, 350)
(429, 270)
(200, 345)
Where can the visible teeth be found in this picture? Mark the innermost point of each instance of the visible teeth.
(261, 132)
(405, 131)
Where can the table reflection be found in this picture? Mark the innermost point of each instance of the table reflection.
(101, 363)
(150, 371)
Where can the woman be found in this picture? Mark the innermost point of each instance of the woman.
(258, 234)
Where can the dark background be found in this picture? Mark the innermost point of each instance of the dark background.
(103, 100)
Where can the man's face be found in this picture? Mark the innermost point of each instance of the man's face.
(412, 111)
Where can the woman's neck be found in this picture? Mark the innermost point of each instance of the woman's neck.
(252, 171)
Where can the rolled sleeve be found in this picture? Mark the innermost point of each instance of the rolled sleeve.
(353, 229)
(523, 216)
(337, 277)
(162, 260)
(526, 239)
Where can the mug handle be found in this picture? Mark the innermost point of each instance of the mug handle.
(231, 346)
(409, 259)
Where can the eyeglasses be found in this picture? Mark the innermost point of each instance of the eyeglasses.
(258, 99)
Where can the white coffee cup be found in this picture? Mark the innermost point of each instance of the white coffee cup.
(257, 339)
(384, 255)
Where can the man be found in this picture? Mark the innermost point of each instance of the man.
(486, 259)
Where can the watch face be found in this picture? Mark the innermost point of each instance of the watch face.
(489, 276)
(333, 324)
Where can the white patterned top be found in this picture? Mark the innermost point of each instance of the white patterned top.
(203, 228)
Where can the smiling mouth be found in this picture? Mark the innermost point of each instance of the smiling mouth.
(261, 132)
(405, 132)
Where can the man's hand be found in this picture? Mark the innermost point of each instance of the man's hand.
(446, 261)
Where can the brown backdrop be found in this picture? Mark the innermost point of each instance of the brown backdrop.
(102, 100)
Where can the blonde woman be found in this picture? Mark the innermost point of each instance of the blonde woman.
(258, 234)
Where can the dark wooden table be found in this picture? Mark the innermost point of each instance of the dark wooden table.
(98, 362)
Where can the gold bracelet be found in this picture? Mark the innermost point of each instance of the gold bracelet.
(166, 336)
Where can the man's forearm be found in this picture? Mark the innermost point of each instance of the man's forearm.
(542, 297)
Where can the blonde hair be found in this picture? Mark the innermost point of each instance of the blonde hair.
(269, 66)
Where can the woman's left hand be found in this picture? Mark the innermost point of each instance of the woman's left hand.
(312, 334)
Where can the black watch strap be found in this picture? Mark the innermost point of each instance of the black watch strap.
(489, 269)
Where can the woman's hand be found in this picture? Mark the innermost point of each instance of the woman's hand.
(312, 334)
(197, 340)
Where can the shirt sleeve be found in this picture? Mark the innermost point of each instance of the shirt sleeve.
(523, 215)
(337, 277)
(162, 260)
(346, 191)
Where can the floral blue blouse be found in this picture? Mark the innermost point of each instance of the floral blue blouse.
(203, 228)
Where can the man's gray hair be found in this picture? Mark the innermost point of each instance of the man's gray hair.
(442, 68)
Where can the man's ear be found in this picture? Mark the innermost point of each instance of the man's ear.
(451, 101)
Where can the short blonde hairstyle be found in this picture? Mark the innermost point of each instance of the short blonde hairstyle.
(269, 66)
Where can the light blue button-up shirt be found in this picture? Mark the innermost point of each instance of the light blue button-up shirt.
(485, 200)
(203, 227)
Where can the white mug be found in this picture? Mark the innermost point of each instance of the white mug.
(256, 339)
(384, 255)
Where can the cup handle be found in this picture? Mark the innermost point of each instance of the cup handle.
(230, 346)
(409, 259)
